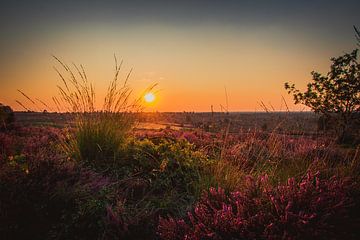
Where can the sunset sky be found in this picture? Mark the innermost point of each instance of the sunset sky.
(192, 49)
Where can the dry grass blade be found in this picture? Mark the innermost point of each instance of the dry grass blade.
(29, 99)
(78, 95)
(22, 105)
(286, 105)
(44, 104)
(57, 104)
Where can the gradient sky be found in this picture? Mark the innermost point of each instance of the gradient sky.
(192, 49)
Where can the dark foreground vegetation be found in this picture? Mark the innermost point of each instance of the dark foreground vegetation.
(172, 184)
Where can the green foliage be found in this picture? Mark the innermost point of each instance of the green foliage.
(157, 178)
(170, 170)
(336, 95)
(338, 92)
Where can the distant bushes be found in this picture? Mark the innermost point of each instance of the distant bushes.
(6, 117)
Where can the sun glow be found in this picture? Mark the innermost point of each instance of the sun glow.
(149, 97)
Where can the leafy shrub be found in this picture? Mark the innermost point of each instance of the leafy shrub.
(310, 208)
(161, 177)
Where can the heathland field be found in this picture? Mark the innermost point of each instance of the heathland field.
(107, 155)
(176, 176)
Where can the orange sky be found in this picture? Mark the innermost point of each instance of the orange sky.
(192, 64)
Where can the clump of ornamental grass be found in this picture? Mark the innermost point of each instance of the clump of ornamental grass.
(99, 135)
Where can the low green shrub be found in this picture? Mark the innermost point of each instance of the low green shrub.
(157, 178)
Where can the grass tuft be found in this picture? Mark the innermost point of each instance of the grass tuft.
(99, 134)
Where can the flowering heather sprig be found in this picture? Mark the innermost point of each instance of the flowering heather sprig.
(296, 210)
(115, 220)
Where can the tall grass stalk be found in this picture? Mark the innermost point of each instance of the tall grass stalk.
(99, 135)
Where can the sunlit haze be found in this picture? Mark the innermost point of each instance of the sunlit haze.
(194, 50)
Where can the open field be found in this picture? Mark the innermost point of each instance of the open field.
(297, 123)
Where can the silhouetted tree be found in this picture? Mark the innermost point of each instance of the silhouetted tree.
(336, 95)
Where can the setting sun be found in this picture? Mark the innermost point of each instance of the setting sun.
(149, 97)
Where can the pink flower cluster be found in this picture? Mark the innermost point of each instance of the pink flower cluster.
(27, 140)
(301, 209)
